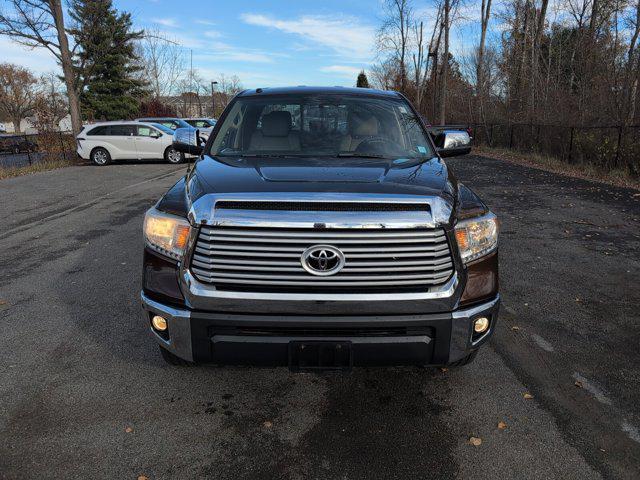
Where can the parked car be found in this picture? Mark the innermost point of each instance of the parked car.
(175, 123)
(204, 125)
(107, 141)
(324, 244)
(10, 143)
(170, 122)
(201, 122)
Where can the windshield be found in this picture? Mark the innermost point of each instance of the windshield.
(163, 128)
(321, 125)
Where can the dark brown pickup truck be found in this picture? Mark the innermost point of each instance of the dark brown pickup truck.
(320, 228)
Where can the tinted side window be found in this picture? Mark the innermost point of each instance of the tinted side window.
(123, 130)
(200, 124)
(104, 130)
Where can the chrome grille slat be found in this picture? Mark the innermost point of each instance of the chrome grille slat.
(304, 276)
(318, 234)
(253, 248)
(329, 240)
(261, 257)
(222, 268)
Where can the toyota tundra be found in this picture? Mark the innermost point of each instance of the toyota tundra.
(320, 228)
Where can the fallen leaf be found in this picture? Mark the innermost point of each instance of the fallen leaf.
(502, 425)
(515, 327)
(527, 395)
(444, 369)
(3, 302)
(143, 477)
(578, 384)
(267, 424)
(128, 429)
(475, 441)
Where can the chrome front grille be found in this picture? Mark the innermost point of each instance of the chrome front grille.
(268, 259)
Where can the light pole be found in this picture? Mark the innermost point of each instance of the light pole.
(213, 99)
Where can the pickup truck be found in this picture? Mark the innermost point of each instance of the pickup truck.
(320, 228)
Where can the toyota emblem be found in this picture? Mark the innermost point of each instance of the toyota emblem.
(322, 260)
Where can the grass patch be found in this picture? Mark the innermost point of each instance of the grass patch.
(10, 172)
(617, 177)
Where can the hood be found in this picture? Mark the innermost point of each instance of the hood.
(402, 176)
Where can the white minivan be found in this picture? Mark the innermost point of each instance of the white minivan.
(107, 141)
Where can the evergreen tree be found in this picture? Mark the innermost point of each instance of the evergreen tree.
(363, 81)
(108, 74)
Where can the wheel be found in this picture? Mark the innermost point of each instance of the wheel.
(171, 155)
(465, 360)
(172, 359)
(100, 156)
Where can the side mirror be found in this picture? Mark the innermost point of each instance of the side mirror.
(452, 143)
(186, 140)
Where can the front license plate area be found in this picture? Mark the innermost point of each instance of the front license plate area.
(320, 355)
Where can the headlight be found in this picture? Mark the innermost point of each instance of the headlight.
(165, 233)
(477, 237)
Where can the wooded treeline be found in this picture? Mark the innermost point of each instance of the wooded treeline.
(571, 62)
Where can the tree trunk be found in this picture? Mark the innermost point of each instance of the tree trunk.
(16, 124)
(67, 66)
(445, 64)
(484, 23)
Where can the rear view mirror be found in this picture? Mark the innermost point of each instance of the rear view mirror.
(451, 143)
(186, 140)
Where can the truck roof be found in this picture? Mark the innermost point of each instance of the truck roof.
(318, 91)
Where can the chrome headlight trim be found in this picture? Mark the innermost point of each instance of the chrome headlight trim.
(165, 233)
(477, 237)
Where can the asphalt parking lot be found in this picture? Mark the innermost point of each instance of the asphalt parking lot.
(84, 393)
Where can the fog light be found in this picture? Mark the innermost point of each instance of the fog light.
(159, 323)
(481, 325)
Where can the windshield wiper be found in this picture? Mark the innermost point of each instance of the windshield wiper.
(361, 155)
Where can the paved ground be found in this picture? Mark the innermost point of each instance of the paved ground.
(84, 394)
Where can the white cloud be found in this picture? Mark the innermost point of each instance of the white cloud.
(345, 35)
(224, 52)
(342, 70)
(212, 34)
(167, 22)
(206, 22)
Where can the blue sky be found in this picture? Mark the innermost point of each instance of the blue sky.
(266, 43)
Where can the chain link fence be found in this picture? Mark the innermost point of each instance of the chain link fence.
(28, 149)
(608, 147)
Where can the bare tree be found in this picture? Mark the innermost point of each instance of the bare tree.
(485, 14)
(228, 87)
(18, 93)
(393, 35)
(163, 60)
(446, 26)
(40, 24)
(51, 106)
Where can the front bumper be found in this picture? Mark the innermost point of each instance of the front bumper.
(262, 339)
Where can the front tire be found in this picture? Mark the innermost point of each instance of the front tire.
(100, 156)
(171, 155)
(173, 359)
